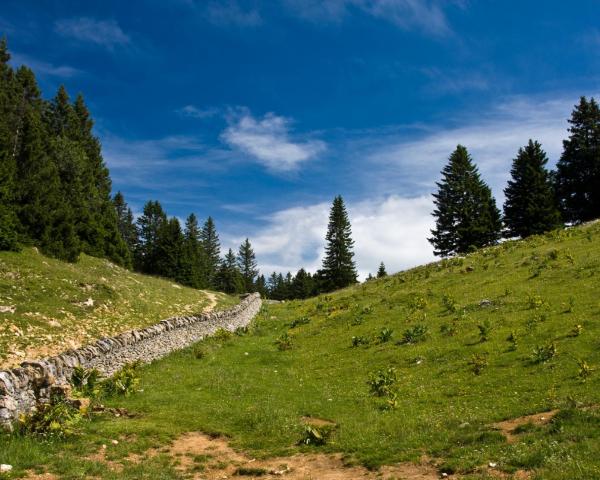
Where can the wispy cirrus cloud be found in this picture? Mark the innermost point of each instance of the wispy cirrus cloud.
(195, 112)
(230, 13)
(44, 68)
(106, 33)
(427, 16)
(268, 141)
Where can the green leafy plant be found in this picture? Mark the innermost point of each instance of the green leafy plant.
(357, 341)
(124, 382)
(485, 329)
(449, 329)
(415, 334)
(535, 301)
(222, 335)
(385, 335)
(513, 341)
(198, 351)
(284, 342)
(478, 363)
(57, 419)
(576, 331)
(417, 302)
(382, 383)
(543, 353)
(585, 370)
(299, 321)
(449, 303)
(313, 435)
(85, 382)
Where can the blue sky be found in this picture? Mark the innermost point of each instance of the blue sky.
(260, 112)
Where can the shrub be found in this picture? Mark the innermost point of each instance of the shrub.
(284, 342)
(585, 370)
(543, 353)
(576, 330)
(198, 351)
(448, 329)
(357, 341)
(513, 341)
(385, 335)
(485, 329)
(56, 419)
(250, 472)
(313, 435)
(299, 321)
(415, 334)
(478, 363)
(449, 303)
(417, 302)
(123, 382)
(383, 382)
(535, 301)
(222, 335)
(85, 382)
(241, 331)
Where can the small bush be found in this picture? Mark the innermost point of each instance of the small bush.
(198, 351)
(85, 382)
(357, 341)
(449, 303)
(585, 370)
(385, 335)
(417, 302)
(299, 321)
(284, 342)
(512, 339)
(448, 329)
(535, 301)
(123, 382)
(485, 329)
(415, 334)
(241, 331)
(56, 419)
(383, 382)
(576, 331)
(222, 335)
(543, 353)
(313, 435)
(478, 363)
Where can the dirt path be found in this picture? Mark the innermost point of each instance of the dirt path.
(508, 427)
(212, 301)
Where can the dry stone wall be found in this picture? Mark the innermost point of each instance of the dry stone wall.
(22, 388)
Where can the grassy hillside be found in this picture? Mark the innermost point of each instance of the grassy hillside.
(47, 306)
(441, 329)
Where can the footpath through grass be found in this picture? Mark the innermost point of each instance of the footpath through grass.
(48, 306)
(508, 331)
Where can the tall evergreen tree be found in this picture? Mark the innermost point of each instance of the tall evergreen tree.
(530, 207)
(247, 265)
(8, 166)
(339, 268)
(261, 286)
(212, 251)
(126, 223)
(381, 271)
(466, 213)
(170, 255)
(578, 170)
(229, 279)
(194, 262)
(302, 285)
(149, 225)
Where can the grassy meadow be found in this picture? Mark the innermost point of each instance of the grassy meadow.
(415, 367)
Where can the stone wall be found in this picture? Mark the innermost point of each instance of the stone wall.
(24, 387)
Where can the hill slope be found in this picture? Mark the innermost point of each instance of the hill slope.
(47, 306)
(461, 393)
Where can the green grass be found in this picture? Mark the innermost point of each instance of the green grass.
(49, 295)
(248, 388)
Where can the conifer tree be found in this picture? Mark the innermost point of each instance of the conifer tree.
(126, 223)
(149, 225)
(194, 262)
(302, 285)
(170, 250)
(212, 252)
(578, 170)
(530, 207)
(247, 264)
(381, 271)
(466, 214)
(339, 269)
(261, 286)
(8, 166)
(229, 279)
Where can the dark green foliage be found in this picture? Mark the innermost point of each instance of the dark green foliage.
(170, 250)
(247, 265)
(381, 271)
(383, 382)
(317, 436)
(56, 419)
(339, 269)
(123, 382)
(578, 170)
(125, 223)
(302, 285)
(212, 251)
(229, 279)
(466, 213)
(530, 207)
(149, 225)
(193, 262)
(415, 334)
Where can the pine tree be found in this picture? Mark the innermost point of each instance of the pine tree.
(247, 264)
(149, 224)
(194, 262)
(125, 223)
(578, 170)
(530, 207)
(170, 250)
(229, 279)
(8, 167)
(339, 268)
(381, 271)
(261, 286)
(302, 285)
(212, 252)
(466, 214)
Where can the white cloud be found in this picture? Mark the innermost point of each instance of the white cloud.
(40, 67)
(268, 141)
(393, 230)
(425, 15)
(226, 13)
(195, 112)
(101, 32)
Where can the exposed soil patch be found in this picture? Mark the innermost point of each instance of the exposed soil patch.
(508, 427)
(317, 422)
(210, 458)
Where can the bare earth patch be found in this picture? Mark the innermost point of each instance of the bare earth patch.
(210, 458)
(507, 427)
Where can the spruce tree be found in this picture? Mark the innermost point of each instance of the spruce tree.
(381, 271)
(578, 170)
(261, 286)
(194, 262)
(212, 252)
(466, 214)
(302, 285)
(229, 279)
(339, 269)
(149, 225)
(8, 167)
(170, 250)
(530, 207)
(247, 264)
(125, 223)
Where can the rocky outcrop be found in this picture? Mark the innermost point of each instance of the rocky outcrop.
(22, 388)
